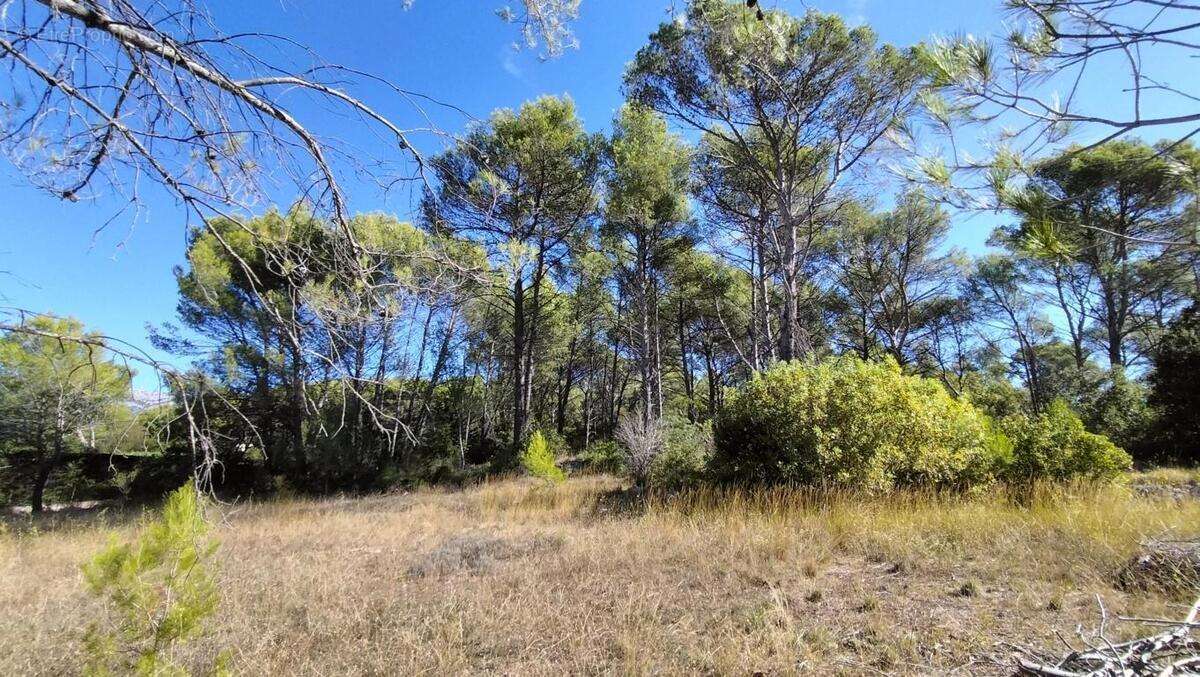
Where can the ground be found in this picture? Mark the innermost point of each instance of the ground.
(514, 577)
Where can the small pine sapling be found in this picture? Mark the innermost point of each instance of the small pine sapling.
(158, 590)
(538, 460)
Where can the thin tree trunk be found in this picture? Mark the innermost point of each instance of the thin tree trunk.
(39, 485)
(518, 367)
(711, 374)
(564, 392)
(689, 379)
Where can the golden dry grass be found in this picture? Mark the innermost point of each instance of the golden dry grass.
(517, 578)
(1167, 476)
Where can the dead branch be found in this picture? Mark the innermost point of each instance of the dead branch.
(1174, 651)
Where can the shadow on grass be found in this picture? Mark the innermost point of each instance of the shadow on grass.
(101, 515)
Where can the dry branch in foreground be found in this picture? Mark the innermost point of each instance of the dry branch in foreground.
(1174, 651)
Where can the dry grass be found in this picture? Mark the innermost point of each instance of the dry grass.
(517, 578)
(1167, 476)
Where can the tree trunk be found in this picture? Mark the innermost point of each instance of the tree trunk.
(711, 374)
(39, 485)
(689, 379)
(613, 400)
(564, 392)
(296, 415)
(768, 349)
(47, 462)
(435, 376)
(518, 366)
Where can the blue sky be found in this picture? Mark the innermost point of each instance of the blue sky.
(119, 279)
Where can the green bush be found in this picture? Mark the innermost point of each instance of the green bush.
(538, 460)
(604, 456)
(158, 589)
(1054, 445)
(684, 458)
(1175, 390)
(844, 422)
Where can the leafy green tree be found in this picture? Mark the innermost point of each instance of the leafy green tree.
(234, 291)
(646, 223)
(1012, 318)
(588, 314)
(523, 187)
(988, 385)
(795, 103)
(1175, 389)
(715, 325)
(1098, 224)
(1060, 377)
(735, 201)
(894, 279)
(314, 367)
(1120, 410)
(58, 392)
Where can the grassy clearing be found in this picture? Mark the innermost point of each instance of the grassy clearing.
(516, 577)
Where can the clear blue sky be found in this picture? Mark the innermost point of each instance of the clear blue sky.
(120, 279)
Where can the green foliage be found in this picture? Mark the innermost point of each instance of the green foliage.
(244, 279)
(998, 447)
(543, 142)
(538, 460)
(1175, 387)
(684, 460)
(159, 590)
(994, 394)
(1091, 225)
(1055, 446)
(721, 50)
(893, 276)
(951, 61)
(559, 447)
(649, 175)
(848, 423)
(605, 456)
(1121, 412)
(60, 393)
(523, 188)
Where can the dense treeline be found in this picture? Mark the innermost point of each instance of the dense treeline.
(563, 281)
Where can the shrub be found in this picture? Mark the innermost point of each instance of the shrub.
(538, 460)
(849, 423)
(1054, 445)
(158, 588)
(685, 456)
(604, 456)
(642, 438)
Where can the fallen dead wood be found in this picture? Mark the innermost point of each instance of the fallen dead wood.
(1174, 651)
